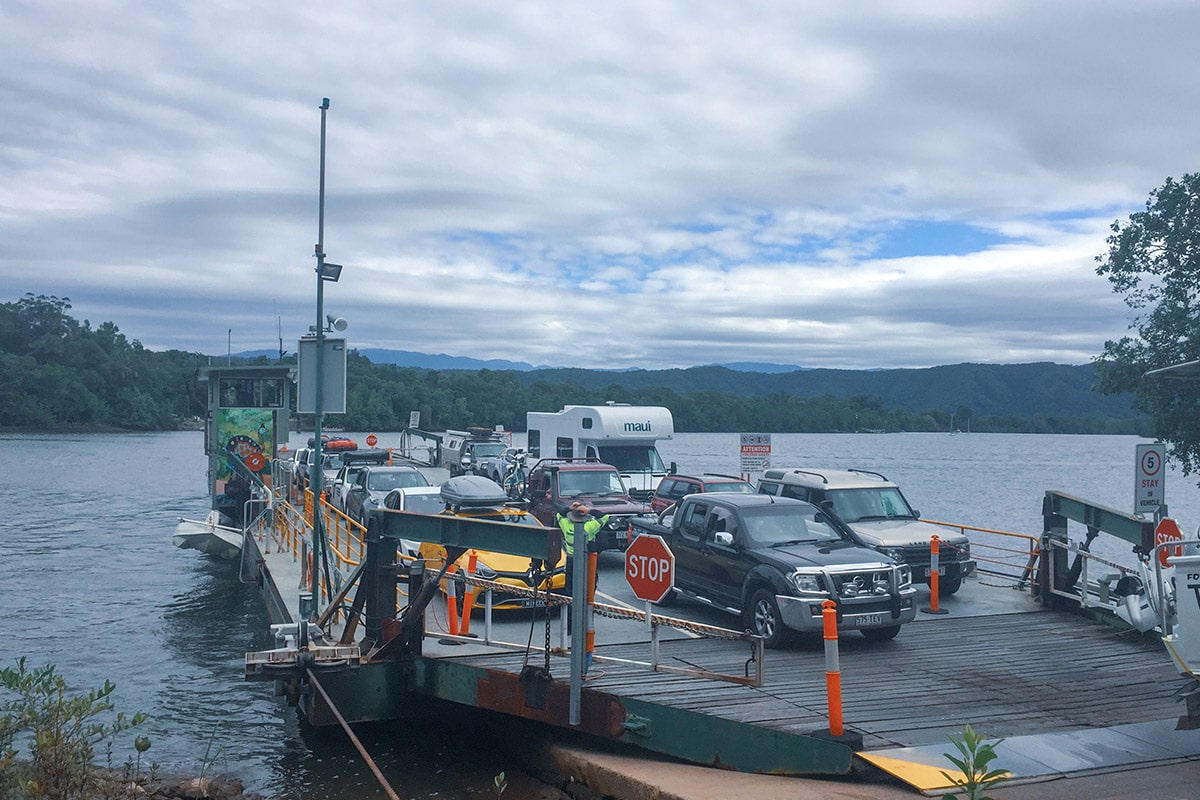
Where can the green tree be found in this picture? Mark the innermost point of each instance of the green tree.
(1153, 259)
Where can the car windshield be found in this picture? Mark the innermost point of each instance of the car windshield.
(386, 481)
(774, 526)
(856, 505)
(598, 483)
(633, 458)
(733, 486)
(424, 503)
(488, 449)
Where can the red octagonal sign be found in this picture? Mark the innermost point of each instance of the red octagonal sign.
(649, 567)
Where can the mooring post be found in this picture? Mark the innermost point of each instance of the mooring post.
(1052, 565)
(833, 669)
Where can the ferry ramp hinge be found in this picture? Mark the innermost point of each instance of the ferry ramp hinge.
(1190, 694)
(293, 688)
(639, 726)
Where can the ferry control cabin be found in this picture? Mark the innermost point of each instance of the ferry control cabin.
(247, 421)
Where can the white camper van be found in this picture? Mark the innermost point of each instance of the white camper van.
(617, 434)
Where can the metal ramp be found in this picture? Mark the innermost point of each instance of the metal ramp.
(1048, 756)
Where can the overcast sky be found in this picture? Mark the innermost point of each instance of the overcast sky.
(606, 185)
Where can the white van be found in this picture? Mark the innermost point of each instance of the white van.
(622, 435)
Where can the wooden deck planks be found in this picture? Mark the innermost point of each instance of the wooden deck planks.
(1008, 675)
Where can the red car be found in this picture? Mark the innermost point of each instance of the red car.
(673, 487)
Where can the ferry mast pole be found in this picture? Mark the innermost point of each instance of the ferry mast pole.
(316, 463)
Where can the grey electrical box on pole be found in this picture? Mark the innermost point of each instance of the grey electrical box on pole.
(333, 377)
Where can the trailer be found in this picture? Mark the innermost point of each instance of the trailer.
(622, 435)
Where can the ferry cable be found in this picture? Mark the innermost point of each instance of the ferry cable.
(362, 751)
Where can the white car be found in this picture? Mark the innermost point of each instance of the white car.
(419, 499)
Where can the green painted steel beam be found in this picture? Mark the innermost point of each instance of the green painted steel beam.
(679, 732)
(468, 533)
(1129, 527)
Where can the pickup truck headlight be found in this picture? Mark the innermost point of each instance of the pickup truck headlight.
(894, 553)
(904, 575)
(807, 582)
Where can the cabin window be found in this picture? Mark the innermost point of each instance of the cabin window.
(587, 423)
(564, 447)
(251, 393)
(534, 443)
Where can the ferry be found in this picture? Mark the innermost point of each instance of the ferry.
(1080, 665)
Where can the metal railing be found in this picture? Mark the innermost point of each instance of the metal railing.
(1003, 554)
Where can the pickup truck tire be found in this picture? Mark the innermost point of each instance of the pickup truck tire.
(949, 586)
(881, 634)
(766, 621)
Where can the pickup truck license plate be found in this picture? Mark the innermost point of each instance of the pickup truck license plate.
(869, 619)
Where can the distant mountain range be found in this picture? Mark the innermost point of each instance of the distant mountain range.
(440, 361)
(1016, 390)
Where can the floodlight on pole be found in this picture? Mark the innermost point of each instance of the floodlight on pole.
(336, 323)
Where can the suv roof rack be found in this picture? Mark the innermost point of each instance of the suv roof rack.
(879, 475)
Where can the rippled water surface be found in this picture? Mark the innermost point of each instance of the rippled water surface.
(92, 583)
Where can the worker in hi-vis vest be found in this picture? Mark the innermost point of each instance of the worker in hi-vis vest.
(566, 523)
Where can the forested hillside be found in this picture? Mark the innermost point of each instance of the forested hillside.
(1009, 390)
(57, 373)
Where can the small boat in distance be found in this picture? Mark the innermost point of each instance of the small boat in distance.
(209, 536)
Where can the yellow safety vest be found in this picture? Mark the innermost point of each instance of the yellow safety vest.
(590, 528)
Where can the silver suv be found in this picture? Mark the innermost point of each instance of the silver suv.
(875, 509)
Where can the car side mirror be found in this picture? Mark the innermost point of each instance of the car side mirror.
(723, 538)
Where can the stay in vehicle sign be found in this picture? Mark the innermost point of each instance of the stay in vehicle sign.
(649, 567)
(1150, 484)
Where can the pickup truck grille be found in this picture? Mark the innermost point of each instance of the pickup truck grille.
(920, 556)
(863, 583)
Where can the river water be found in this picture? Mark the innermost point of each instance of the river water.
(91, 583)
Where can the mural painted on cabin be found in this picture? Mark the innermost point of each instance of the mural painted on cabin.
(248, 433)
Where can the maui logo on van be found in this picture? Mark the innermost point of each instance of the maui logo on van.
(637, 427)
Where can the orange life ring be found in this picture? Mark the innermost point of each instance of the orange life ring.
(256, 461)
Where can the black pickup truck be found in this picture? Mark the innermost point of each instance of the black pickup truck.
(773, 560)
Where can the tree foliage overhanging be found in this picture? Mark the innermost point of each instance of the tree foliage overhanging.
(57, 373)
(1154, 260)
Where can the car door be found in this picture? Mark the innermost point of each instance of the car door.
(723, 554)
(356, 495)
(686, 540)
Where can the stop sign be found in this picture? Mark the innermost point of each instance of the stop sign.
(1165, 532)
(371, 440)
(649, 567)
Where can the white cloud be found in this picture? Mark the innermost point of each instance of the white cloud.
(885, 184)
